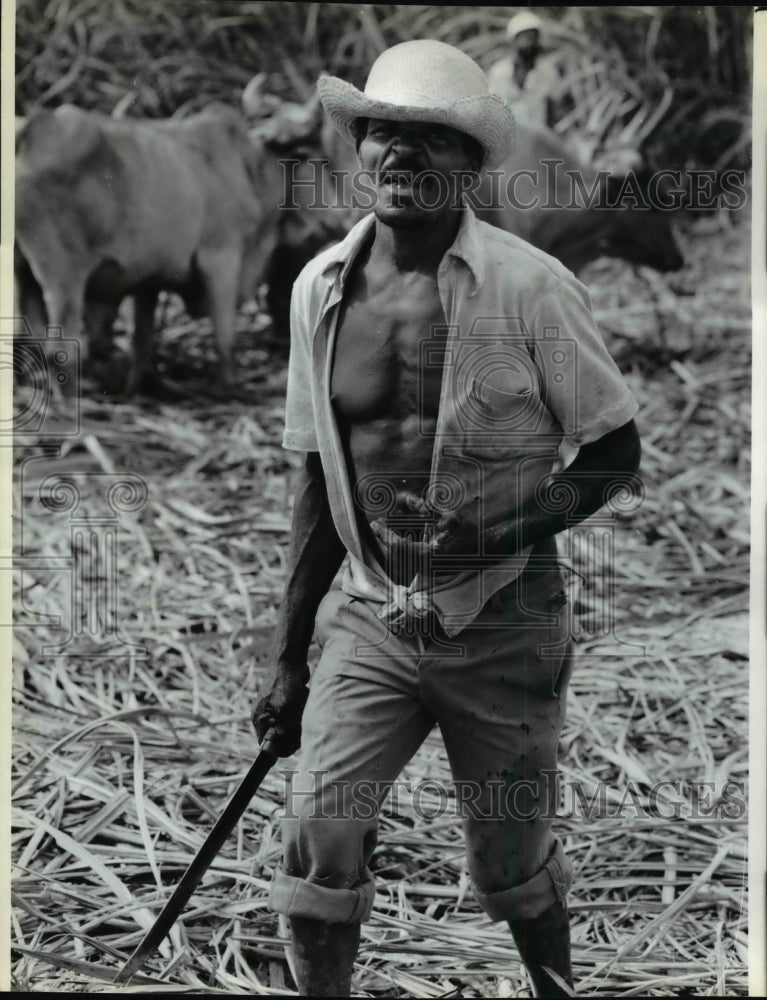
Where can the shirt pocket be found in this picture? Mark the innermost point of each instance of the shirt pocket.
(503, 414)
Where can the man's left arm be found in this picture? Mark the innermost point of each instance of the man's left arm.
(561, 501)
(600, 468)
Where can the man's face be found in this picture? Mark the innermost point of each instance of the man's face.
(416, 168)
(527, 44)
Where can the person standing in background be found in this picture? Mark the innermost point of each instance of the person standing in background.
(527, 77)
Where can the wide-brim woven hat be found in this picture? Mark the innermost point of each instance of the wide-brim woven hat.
(427, 81)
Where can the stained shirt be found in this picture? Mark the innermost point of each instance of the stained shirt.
(525, 372)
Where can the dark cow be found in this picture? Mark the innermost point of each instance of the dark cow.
(109, 207)
(544, 193)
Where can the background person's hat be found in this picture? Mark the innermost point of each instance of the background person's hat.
(425, 81)
(525, 21)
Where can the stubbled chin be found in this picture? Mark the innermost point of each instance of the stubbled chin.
(400, 198)
(400, 217)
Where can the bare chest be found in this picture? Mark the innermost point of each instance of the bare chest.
(389, 353)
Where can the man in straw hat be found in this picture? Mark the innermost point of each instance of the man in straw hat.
(437, 364)
(526, 77)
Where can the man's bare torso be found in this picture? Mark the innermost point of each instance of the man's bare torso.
(384, 391)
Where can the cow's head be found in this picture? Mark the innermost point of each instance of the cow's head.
(632, 218)
(642, 227)
(296, 133)
(279, 124)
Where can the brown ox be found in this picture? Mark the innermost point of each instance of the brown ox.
(109, 207)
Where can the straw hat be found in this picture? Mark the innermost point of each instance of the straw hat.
(526, 21)
(425, 81)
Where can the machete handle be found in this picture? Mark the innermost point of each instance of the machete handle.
(268, 744)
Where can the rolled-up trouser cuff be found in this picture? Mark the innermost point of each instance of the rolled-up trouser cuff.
(534, 897)
(295, 897)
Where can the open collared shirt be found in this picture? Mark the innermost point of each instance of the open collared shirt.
(525, 373)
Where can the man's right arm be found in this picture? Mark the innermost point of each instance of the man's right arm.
(316, 553)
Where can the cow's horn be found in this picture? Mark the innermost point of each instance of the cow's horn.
(255, 103)
(307, 117)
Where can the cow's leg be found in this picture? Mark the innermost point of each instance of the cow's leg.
(64, 306)
(220, 270)
(29, 324)
(99, 320)
(108, 366)
(144, 304)
(103, 294)
(29, 305)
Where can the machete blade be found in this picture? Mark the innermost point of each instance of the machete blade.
(201, 862)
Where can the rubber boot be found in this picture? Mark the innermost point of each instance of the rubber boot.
(545, 941)
(323, 956)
